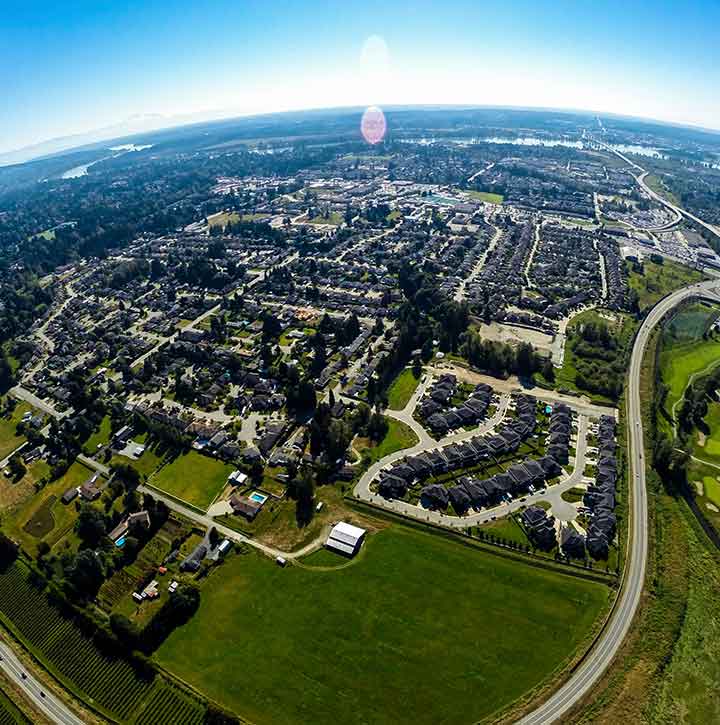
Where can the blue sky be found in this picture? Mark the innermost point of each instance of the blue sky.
(76, 66)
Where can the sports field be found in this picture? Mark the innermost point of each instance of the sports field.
(194, 478)
(417, 629)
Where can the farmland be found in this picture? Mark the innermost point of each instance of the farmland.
(367, 636)
(194, 478)
(108, 683)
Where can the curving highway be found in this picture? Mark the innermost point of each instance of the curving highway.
(602, 655)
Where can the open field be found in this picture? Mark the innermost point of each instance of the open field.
(332, 218)
(43, 517)
(418, 628)
(486, 196)
(8, 440)
(193, 477)
(659, 280)
(401, 389)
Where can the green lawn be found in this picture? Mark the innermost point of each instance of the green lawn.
(401, 389)
(417, 629)
(399, 436)
(100, 437)
(8, 440)
(487, 197)
(193, 477)
(332, 218)
(659, 280)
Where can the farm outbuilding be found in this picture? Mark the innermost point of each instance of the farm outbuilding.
(345, 538)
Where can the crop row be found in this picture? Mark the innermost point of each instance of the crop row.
(109, 681)
(168, 706)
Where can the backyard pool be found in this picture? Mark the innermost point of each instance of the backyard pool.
(258, 497)
(120, 542)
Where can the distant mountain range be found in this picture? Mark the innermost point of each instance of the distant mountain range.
(131, 126)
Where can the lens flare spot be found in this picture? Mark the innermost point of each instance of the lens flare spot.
(373, 125)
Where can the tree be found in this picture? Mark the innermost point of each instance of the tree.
(85, 573)
(548, 370)
(90, 525)
(17, 467)
(214, 537)
(417, 368)
(6, 377)
(8, 551)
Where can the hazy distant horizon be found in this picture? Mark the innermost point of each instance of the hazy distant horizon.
(93, 66)
(126, 129)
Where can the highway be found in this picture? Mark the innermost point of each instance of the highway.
(43, 700)
(607, 646)
(678, 210)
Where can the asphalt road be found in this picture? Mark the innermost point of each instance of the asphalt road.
(43, 700)
(602, 655)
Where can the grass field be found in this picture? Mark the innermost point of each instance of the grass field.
(193, 477)
(332, 218)
(417, 629)
(100, 437)
(401, 389)
(8, 440)
(43, 517)
(659, 280)
(399, 436)
(487, 197)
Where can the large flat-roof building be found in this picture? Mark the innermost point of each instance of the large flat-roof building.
(345, 538)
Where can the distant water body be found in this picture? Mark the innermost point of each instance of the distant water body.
(77, 171)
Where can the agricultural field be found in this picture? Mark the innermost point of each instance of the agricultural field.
(398, 437)
(108, 682)
(401, 389)
(43, 517)
(658, 280)
(361, 643)
(193, 478)
(9, 441)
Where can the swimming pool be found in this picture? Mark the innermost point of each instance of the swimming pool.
(120, 542)
(258, 497)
